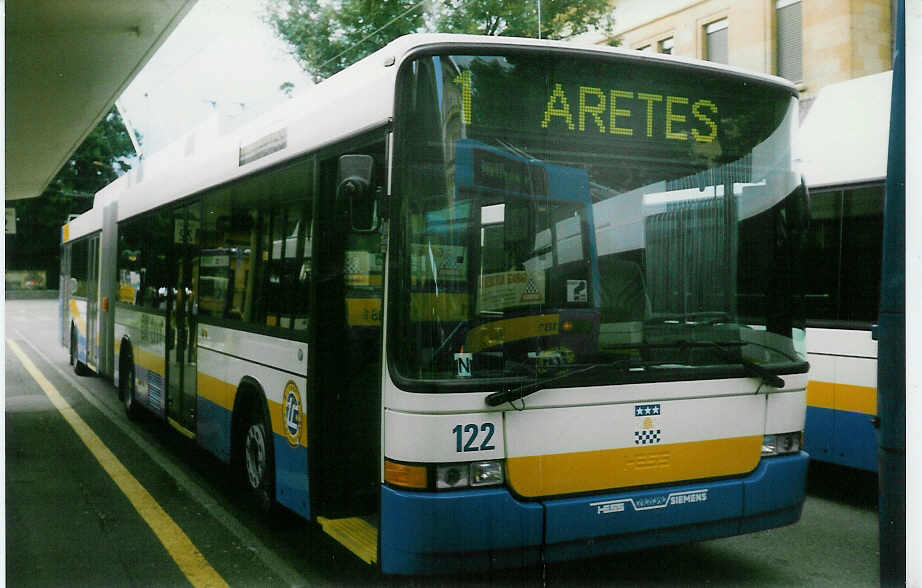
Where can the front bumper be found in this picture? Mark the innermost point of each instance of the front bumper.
(423, 532)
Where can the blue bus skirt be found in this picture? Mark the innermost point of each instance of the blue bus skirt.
(476, 530)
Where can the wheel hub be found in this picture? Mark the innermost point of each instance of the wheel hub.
(255, 455)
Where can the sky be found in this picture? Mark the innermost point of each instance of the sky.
(221, 60)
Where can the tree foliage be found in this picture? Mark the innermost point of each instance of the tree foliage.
(328, 35)
(99, 160)
(560, 19)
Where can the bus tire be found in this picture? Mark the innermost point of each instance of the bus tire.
(257, 460)
(126, 388)
(79, 367)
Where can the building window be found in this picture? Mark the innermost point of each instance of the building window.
(646, 48)
(790, 37)
(717, 49)
(665, 45)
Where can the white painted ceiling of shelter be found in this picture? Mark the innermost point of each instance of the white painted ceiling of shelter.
(66, 64)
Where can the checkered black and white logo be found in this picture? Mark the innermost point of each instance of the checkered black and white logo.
(647, 437)
(530, 286)
(648, 433)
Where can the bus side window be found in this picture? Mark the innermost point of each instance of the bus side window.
(156, 233)
(79, 269)
(132, 264)
(289, 273)
(844, 247)
(256, 250)
(219, 254)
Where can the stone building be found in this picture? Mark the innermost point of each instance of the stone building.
(811, 42)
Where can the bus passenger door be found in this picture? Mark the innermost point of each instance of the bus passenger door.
(181, 320)
(347, 365)
(92, 305)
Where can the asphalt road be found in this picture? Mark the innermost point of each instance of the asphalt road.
(72, 518)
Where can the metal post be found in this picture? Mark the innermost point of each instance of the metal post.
(891, 365)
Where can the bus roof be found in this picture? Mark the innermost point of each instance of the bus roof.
(843, 139)
(356, 99)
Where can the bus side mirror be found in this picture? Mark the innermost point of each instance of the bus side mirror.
(802, 203)
(354, 192)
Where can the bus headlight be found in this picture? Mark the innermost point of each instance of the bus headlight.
(448, 476)
(463, 475)
(487, 473)
(781, 444)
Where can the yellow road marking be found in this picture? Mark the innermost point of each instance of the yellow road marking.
(190, 561)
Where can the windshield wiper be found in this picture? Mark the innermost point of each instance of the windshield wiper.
(722, 347)
(751, 367)
(519, 392)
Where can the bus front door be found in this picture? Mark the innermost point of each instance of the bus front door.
(347, 365)
(181, 322)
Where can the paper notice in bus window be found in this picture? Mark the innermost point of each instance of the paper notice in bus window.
(363, 268)
(432, 262)
(219, 261)
(569, 240)
(508, 289)
(126, 293)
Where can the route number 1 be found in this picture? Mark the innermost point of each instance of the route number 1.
(465, 80)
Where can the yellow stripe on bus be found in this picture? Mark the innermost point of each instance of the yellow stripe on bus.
(149, 360)
(217, 391)
(79, 319)
(355, 534)
(586, 471)
(837, 396)
(189, 559)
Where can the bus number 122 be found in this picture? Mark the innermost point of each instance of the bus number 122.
(473, 432)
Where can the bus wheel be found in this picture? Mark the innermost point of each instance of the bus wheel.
(127, 389)
(258, 468)
(79, 367)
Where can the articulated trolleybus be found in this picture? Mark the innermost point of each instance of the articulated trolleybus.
(474, 302)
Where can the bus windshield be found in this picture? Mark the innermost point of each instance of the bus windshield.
(559, 211)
